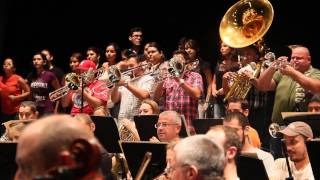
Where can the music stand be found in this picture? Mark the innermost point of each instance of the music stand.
(107, 133)
(8, 164)
(313, 148)
(251, 168)
(145, 126)
(135, 152)
(311, 118)
(203, 125)
(184, 132)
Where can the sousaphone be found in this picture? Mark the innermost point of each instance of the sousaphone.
(246, 22)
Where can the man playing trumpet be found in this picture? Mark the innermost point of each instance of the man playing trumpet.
(132, 92)
(291, 83)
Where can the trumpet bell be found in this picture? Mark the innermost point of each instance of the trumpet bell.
(274, 128)
(246, 22)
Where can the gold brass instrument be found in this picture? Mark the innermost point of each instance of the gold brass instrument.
(246, 22)
(241, 84)
(72, 82)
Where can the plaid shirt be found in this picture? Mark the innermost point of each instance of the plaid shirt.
(177, 99)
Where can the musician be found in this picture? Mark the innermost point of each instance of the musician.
(228, 138)
(95, 94)
(13, 90)
(197, 158)
(295, 136)
(182, 93)
(54, 135)
(240, 105)
(314, 104)
(259, 116)
(27, 111)
(136, 38)
(41, 82)
(291, 83)
(132, 91)
(168, 127)
(203, 68)
(240, 122)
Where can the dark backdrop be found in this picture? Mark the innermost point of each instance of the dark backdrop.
(71, 25)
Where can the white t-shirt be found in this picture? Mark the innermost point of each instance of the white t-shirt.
(280, 171)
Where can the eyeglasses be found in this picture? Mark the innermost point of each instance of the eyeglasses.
(169, 170)
(164, 125)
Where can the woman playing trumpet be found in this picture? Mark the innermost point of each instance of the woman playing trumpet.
(92, 99)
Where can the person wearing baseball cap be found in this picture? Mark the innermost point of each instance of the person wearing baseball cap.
(295, 136)
(95, 94)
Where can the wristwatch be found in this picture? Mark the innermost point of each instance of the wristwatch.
(125, 84)
(181, 81)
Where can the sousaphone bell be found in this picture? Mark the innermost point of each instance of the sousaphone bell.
(246, 22)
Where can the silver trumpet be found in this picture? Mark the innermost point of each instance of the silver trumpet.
(274, 129)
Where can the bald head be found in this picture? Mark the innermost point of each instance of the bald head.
(41, 143)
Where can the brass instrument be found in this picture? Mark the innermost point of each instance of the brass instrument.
(72, 83)
(241, 84)
(114, 74)
(176, 66)
(274, 128)
(244, 24)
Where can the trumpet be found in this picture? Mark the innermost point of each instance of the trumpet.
(274, 129)
(114, 74)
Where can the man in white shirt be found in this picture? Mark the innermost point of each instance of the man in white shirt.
(295, 136)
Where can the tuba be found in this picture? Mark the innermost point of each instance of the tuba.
(245, 24)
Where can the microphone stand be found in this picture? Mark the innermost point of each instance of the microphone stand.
(82, 91)
(284, 147)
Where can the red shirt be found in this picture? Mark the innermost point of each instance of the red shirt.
(9, 86)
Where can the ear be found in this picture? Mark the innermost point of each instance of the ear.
(92, 127)
(130, 38)
(178, 129)
(231, 152)
(246, 112)
(191, 172)
(66, 159)
(246, 131)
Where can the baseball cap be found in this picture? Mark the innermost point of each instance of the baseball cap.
(86, 64)
(298, 128)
